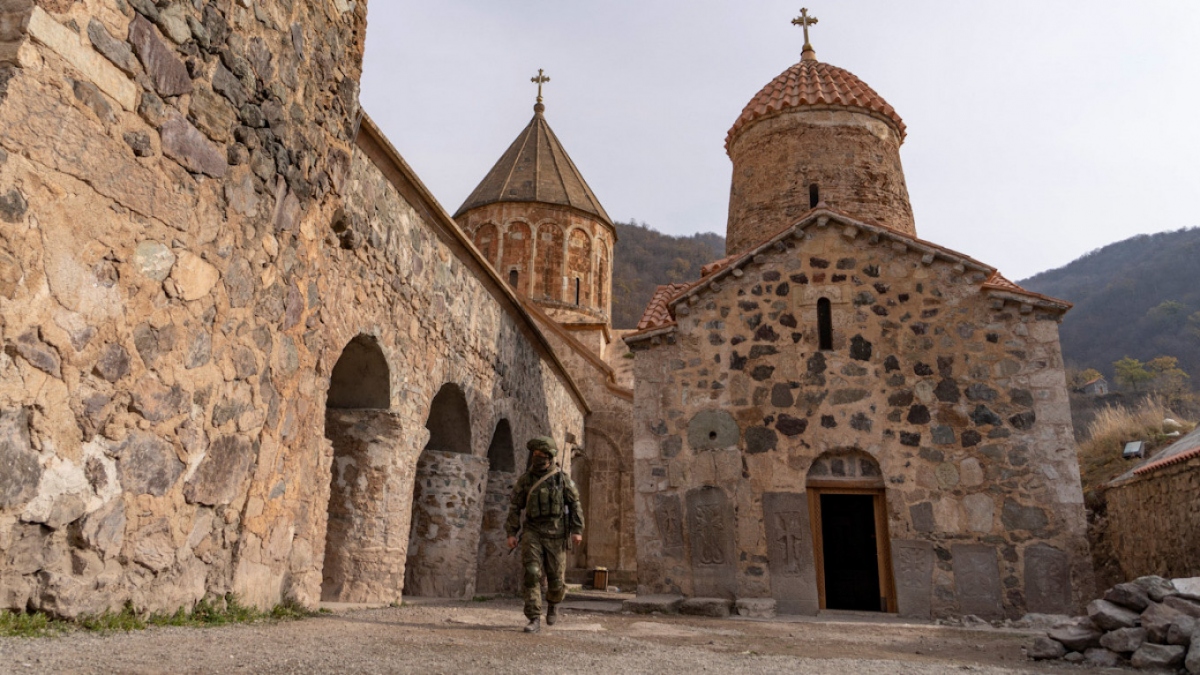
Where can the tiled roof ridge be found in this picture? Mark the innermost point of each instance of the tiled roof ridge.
(812, 83)
(1168, 461)
(658, 312)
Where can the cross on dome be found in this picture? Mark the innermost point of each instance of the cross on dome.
(541, 79)
(804, 20)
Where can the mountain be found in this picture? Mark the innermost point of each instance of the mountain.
(645, 258)
(1138, 298)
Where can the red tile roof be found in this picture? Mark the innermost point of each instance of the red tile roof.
(812, 83)
(657, 315)
(1175, 459)
(998, 282)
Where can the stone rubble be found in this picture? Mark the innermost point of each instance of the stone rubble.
(1149, 623)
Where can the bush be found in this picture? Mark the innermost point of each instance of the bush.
(1100, 454)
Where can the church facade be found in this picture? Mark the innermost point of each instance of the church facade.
(840, 415)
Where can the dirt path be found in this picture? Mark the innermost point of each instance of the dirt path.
(486, 637)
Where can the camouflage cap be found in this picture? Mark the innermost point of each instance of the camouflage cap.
(544, 444)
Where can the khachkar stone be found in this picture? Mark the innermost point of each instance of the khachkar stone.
(977, 580)
(711, 535)
(912, 561)
(668, 515)
(1047, 580)
(790, 553)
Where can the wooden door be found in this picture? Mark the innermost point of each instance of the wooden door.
(883, 553)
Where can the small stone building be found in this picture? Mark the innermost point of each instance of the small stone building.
(536, 220)
(244, 349)
(840, 415)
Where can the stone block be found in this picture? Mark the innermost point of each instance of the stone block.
(1109, 616)
(113, 49)
(977, 580)
(1156, 587)
(1192, 662)
(154, 260)
(1188, 588)
(218, 480)
(1047, 580)
(1043, 648)
(162, 64)
(1078, 635)
(1158, 656)
(1180, 632)
(668, 516)
(712, 430)
(758, 608)
(912, 561)
(789, 552)
(1182, 604)
(94, 68)
(185, 144)
(21, 469)
(147, 465)
(102, 531)
(713, 607)
(1157, 620)
(711, 530)
(648, 604)
(1129, 596)
(1125, 640)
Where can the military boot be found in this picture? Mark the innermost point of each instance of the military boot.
(534, 625)
(551, 614)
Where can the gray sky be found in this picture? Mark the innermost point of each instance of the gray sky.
(1037, 131)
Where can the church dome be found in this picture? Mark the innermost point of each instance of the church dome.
(811, 83)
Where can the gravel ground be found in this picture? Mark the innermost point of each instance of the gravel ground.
(448, 637)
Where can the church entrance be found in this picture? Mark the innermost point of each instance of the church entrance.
(851, 549)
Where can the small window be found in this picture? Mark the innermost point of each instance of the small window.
(576, 290)
(814, 195)
(825, 324)
(513, 277)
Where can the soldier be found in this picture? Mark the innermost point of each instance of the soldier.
(551, 504)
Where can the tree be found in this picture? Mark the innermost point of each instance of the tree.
(1132, 373)
(1168, 312)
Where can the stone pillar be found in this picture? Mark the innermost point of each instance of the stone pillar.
(447, 509)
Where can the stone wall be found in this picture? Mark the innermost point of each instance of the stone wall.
(959, 397)
(191, 236)
(446, 516)
(549, 247)
(1153, 522)
(853, 158)
(499, 569)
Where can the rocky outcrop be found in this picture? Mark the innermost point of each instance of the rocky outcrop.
(1150, 623)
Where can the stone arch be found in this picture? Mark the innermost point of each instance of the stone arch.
(449, 421)
(517, 253)
(361, 377)
(447, 501)
(487, 240)
(549, 266)
(579, 266)
(501, 455)
(360, 564)
(846, 465)
(606, 485)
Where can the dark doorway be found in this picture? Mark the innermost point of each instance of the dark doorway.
(851, 554)
(501, 456)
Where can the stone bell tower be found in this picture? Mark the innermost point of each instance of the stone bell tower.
(543, 229)
(814, 134)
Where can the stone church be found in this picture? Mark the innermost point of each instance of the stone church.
(839, 414)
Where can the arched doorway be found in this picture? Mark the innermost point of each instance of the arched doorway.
(851, 546)
(363, 560)
(497, 571)
(447, 495)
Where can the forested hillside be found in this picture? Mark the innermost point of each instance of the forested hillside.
(1138, 298)
(645, 258)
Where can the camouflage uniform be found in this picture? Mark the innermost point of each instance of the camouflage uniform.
(553, 513)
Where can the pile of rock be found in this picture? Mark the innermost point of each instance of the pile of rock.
(1150, 622)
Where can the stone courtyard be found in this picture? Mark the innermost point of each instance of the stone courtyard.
(457, 637)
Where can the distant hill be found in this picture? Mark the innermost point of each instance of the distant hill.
(645, 258)
(1138, 298)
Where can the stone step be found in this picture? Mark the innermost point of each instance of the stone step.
(626, 580)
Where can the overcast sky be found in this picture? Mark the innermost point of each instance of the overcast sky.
(1037, 130)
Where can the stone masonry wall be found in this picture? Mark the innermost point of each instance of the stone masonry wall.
(1154, 522)
(958, 397)
(852, 157)
(447, 511)
(187, 247)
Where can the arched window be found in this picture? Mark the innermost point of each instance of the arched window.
(360, 377)
(825, 324)
(501, 456)
(513, 277)
(814, 195)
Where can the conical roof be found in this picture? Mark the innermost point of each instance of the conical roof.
(536, 168)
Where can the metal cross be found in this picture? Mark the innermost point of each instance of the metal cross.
(805, 20)
(539, 81)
